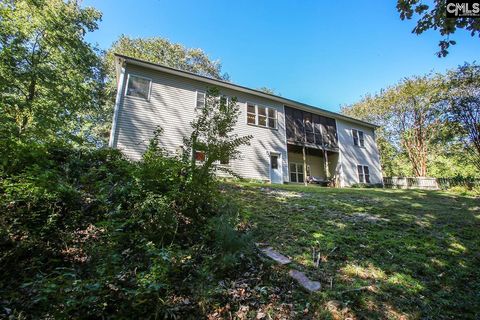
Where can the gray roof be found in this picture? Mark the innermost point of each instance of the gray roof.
(288, 102)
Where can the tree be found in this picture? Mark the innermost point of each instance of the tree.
(463, 96)
(162, 51)
(213, 133)
(409, 114)
(269, 91)
(50, 77)
(435, 18)
(156, 50)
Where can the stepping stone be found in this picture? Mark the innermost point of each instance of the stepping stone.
(278, 257)
(303, 280)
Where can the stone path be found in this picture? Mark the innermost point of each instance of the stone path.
(274, 255)
(300, 277)
(303, 280)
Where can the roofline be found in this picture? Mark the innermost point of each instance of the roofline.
(288, 102)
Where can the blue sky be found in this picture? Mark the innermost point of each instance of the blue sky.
(324, 53)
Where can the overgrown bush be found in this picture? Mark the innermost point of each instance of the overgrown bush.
(465, 190)
(367, 185)
(86, 233)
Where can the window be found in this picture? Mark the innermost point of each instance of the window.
(251, 114)
(272, 118)
(138, 87)
(358, 139)
(222, 99)
(200, 99)
(274, 161)
(224, 160)
(363, 174)
(261, 116)
(200, 156)
(296, 172)
(367, 174)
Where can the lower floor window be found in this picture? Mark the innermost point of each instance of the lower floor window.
(296, 172)
(200, 156)
(224, 160)
(363, 174)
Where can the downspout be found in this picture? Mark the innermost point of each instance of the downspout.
(120, 76)
(287, 174)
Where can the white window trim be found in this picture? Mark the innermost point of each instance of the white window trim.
(204, 98)
(360, 144)
(149, 87)
(266, 115)
(363, 173)
(296, 172)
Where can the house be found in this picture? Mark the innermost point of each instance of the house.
(291, 140)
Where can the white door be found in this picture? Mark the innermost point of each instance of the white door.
(276, 168)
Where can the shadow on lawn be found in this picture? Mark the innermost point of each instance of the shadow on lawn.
(384, 253)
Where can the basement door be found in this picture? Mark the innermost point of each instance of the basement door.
(275, 168)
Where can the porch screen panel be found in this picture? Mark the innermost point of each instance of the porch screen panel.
(317, 130)
(332, 132)
(307, 120)
(290, 123)
(299, 128)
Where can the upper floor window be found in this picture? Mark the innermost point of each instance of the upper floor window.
(138, 86)
(358, 139)
(363, 174)
(200, 99)
(261, 116)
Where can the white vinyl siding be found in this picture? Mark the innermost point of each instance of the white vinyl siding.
(172, 105)
(351, 156)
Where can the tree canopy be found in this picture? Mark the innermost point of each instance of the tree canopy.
(428, 123)
(463, 98)
(434, 17)
(50, 77)
(162, 51)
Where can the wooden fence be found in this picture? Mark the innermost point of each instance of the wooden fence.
(428, 183)
(411, 183)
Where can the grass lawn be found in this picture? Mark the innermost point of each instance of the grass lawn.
(396, 254)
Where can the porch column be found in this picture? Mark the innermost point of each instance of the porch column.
(327, 170)
(304, 167)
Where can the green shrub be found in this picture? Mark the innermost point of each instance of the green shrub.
(86, 233)
(466, 190)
